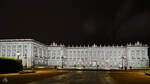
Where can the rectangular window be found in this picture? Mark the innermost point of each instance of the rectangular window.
(133, 57)
(53, 57)
(132, 53)
(70, 51)
(86, 51)
(58, 57)
(8, 50)
(3, 50)
(143, 52)
(137, 52)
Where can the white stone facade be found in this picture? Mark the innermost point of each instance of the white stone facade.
(30, 51)
(35, 53)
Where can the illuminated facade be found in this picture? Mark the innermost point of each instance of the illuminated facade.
(35, 53)
(30, 51)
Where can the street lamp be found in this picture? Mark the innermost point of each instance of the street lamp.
(18, 54)
(26, 60)
(62, 59)
(123, 61)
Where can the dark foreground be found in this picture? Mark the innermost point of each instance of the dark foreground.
(134, 77)
(78, 77)
(17, 78)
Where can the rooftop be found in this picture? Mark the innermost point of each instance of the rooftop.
(137, 44)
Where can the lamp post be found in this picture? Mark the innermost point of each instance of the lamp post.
(18, 54)
(123, 61)
(62, 59)
(26, 61)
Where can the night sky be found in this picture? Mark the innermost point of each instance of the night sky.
(76, 22)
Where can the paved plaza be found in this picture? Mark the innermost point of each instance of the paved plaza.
(78, 77)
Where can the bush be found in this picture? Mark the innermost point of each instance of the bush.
(10, 65)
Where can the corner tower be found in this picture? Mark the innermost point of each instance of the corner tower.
(137, 55)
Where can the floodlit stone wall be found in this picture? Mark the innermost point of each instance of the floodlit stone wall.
(34, 53)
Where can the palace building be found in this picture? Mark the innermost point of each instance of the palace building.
(34, 53)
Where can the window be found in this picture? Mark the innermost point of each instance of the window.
(110, 52)
(138, 58)
(49, 50)
(13, 50)
(19, 48)
(8, 50)
(40, 52)
(132, 53)
(137, 52)
(143, 52)
(114, 51)
(58, 57)
(58, 53)
(82, 52)
(143, 58)
(78, 51)
(70, 51)
(53, 57)
(133, 57)
(3, 50)
(35, 51)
